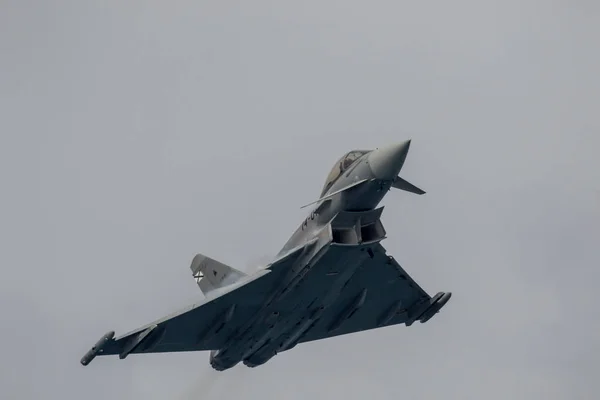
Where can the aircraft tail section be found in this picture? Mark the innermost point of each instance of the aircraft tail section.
(211, 274)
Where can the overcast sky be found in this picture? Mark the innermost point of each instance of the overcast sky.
(135, 134)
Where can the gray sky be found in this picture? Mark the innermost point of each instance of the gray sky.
(136, 134)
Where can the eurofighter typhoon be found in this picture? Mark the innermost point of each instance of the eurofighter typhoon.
(331, 278)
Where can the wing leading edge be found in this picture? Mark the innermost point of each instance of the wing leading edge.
(377, 293)
(380, 293)
(201, 326)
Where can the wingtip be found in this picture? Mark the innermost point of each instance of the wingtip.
(97, 348)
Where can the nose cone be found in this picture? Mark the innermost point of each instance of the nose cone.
(386, 162)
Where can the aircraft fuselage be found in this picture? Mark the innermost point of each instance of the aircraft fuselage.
(332, 277)
(283, 318)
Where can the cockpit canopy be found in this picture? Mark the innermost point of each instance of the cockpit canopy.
(342, 166)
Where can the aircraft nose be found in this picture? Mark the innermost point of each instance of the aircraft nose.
(386, 162)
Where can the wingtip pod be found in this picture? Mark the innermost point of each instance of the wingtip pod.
(440, 301)
(97, 348)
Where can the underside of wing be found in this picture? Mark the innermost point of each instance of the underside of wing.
(379, 294)
(202, 326)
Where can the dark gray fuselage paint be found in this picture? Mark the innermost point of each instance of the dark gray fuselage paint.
(282, 320)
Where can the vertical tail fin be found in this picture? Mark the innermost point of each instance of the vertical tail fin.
(211, 274)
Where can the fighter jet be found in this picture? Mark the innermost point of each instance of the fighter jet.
(331, 278)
